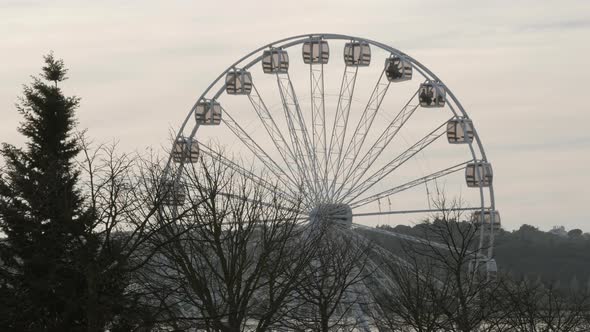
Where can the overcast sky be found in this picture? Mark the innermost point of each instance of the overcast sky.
(520, 68)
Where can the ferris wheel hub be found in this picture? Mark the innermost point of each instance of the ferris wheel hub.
(336, 214)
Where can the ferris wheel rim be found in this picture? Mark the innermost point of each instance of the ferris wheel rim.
(331, 36)
(288, 42)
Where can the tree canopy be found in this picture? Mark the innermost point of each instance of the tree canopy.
(42, 213)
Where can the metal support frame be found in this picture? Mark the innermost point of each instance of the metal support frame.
(299, 136)
(358, 170)
(340, 124)
(345, 164)
(408, 185)
(293, 164)
(259, 152)
(414, 239)
(370, 181)
(318, 119)
(290, 196)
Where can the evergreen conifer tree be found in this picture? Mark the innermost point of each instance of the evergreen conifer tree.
(42, 284)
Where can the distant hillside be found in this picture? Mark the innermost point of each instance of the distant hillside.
(556, 255)
(553, 256)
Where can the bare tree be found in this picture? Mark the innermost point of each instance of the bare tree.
(535, 307)
(437, 286)
(440, 285)
(234, 254)
(333, 291)
(122, 197)
(473, 294)
(416, 296)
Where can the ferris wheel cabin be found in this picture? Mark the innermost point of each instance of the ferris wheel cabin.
(208, 113)
(484, 266)
(357, 53)
(479, 173)
(275, 61)
(238, 82)
(432, 94)
(489, 219)
(316, 52)
(398, 69)
(492, 269)
(172, 193)
(460, 131)
(185, 150)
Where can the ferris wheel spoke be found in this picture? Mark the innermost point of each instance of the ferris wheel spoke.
(290, 196)
(345, 164)
(360, 290)
(365, 185)
(318, 117)
(403, 263)
(400, 236)
(408, 185)
(383, 213)
(382, 142)
(274, 132)
(297, 220)
(340, 123)
(263, 203)
(375, 247)
(268, 162)
(389, 256)
(411, 238)
(383, 278)
(298, 132)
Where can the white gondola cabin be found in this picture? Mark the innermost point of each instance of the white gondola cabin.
(185, 150)
(316, 52)
(172, 193)
(492, 269)
(208, 113)
(460, 131)
(238, 82)
(275, 61)
(477, 173)
(488, 219)
(357, 53)
(398, 69)
(484, 267)
(432, 94)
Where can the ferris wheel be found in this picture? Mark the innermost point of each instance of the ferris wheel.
(357, 128)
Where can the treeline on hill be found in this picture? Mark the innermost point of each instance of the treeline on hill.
(556, 256)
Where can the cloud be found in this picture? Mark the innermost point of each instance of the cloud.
(571, 24)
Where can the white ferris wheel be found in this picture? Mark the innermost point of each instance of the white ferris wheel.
(356, 128)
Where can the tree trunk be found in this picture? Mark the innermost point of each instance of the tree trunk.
(93, 320)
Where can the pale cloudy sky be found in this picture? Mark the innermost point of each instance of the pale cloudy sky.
(520, 68)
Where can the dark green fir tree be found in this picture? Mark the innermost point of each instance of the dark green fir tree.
(42, 219)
